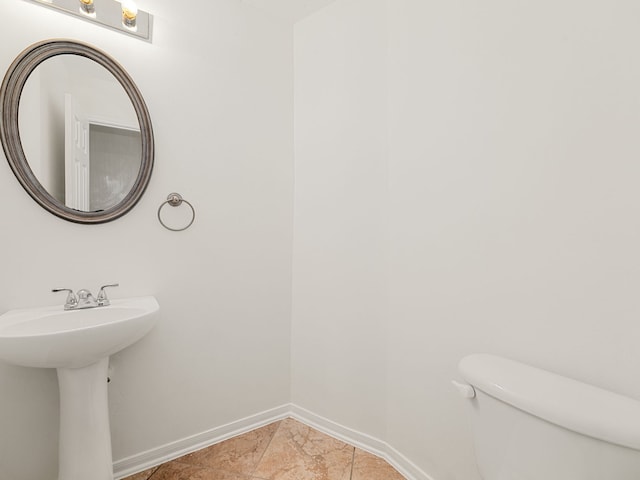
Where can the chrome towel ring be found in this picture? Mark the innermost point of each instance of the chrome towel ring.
(175, 200)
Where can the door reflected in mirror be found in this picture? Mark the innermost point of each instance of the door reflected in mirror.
(80, 133)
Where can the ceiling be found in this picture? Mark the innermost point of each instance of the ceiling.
(289, 10)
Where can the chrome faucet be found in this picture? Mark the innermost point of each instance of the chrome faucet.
(84, 298)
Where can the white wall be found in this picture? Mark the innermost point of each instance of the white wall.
(218, 86)
(340, 301)
(512, 204)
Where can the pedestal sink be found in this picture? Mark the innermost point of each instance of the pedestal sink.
(78, 344)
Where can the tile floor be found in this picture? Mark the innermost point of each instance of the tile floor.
(285, 450)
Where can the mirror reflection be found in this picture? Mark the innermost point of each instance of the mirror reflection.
(80, 133)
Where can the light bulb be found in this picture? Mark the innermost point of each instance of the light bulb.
(129, 13)
(87, 6)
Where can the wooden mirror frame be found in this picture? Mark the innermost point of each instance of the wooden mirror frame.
(10, 93)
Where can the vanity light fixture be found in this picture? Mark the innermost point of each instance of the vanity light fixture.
(122, 16)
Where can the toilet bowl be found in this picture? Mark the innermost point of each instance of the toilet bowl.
(531, 424)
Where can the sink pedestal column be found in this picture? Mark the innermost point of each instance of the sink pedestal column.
(85, 437)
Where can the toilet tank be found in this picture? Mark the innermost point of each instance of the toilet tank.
(531, 424)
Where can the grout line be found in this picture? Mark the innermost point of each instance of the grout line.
(266, 448)
(154, 472)
(353, 462)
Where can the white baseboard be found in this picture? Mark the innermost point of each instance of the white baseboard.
(370, 444)
(156, 456)
(164, 453)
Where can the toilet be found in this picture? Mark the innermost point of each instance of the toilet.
(531, 424)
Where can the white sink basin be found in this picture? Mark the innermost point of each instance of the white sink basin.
(78, 343)
(50, 337)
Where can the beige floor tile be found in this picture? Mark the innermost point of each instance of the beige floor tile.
(142, 475)
(181, 471)
(370, 467)
(298, 452)
(238, 455)
(287, 450)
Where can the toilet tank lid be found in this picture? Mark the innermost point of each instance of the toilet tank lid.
(568, 403)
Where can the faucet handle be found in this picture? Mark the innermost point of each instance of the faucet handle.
(102, 299)
(72, 300)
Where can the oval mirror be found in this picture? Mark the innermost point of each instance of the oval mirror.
(76, 131)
